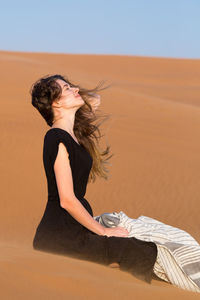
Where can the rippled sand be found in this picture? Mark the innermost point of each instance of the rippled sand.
(153, 130)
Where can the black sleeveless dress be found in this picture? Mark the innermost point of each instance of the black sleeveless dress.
(58, 232)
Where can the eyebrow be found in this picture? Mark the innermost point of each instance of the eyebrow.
(67, 84)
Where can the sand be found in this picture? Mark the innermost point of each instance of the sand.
(153, 131)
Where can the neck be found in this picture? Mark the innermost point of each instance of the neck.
(65, 123)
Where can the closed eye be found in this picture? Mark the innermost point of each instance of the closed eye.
(66, 86)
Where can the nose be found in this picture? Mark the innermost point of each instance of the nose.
(76, 90)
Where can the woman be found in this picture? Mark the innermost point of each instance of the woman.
(71, 159)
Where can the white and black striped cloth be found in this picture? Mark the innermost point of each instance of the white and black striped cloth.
(178, 259)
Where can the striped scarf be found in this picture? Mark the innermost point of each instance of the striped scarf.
(178, 258)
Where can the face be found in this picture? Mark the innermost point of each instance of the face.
(70, 97)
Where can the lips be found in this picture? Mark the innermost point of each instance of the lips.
(77, 96)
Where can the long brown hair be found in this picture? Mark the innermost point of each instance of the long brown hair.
(45, 90)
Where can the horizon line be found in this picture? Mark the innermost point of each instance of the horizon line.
(99, 54)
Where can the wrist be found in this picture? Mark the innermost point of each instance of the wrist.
(102, 230)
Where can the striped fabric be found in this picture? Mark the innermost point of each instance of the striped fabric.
(178, 259)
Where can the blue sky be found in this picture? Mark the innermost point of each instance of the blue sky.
(164, 28)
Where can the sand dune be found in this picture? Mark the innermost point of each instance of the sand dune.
(153, 131)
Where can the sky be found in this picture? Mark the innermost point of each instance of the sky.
(162, 28)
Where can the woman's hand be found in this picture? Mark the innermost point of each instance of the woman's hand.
(116, 231)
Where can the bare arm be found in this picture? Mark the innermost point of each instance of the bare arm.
(69, 201)
(67, 197)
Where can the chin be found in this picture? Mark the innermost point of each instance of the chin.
(83, 102)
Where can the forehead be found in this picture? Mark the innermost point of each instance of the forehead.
(62, 82)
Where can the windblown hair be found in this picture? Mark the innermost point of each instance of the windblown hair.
(45, 90)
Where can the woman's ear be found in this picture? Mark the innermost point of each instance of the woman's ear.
(55, 103)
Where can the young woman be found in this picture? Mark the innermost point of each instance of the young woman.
(71, 159)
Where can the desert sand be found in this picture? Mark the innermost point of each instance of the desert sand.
(153, 131)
